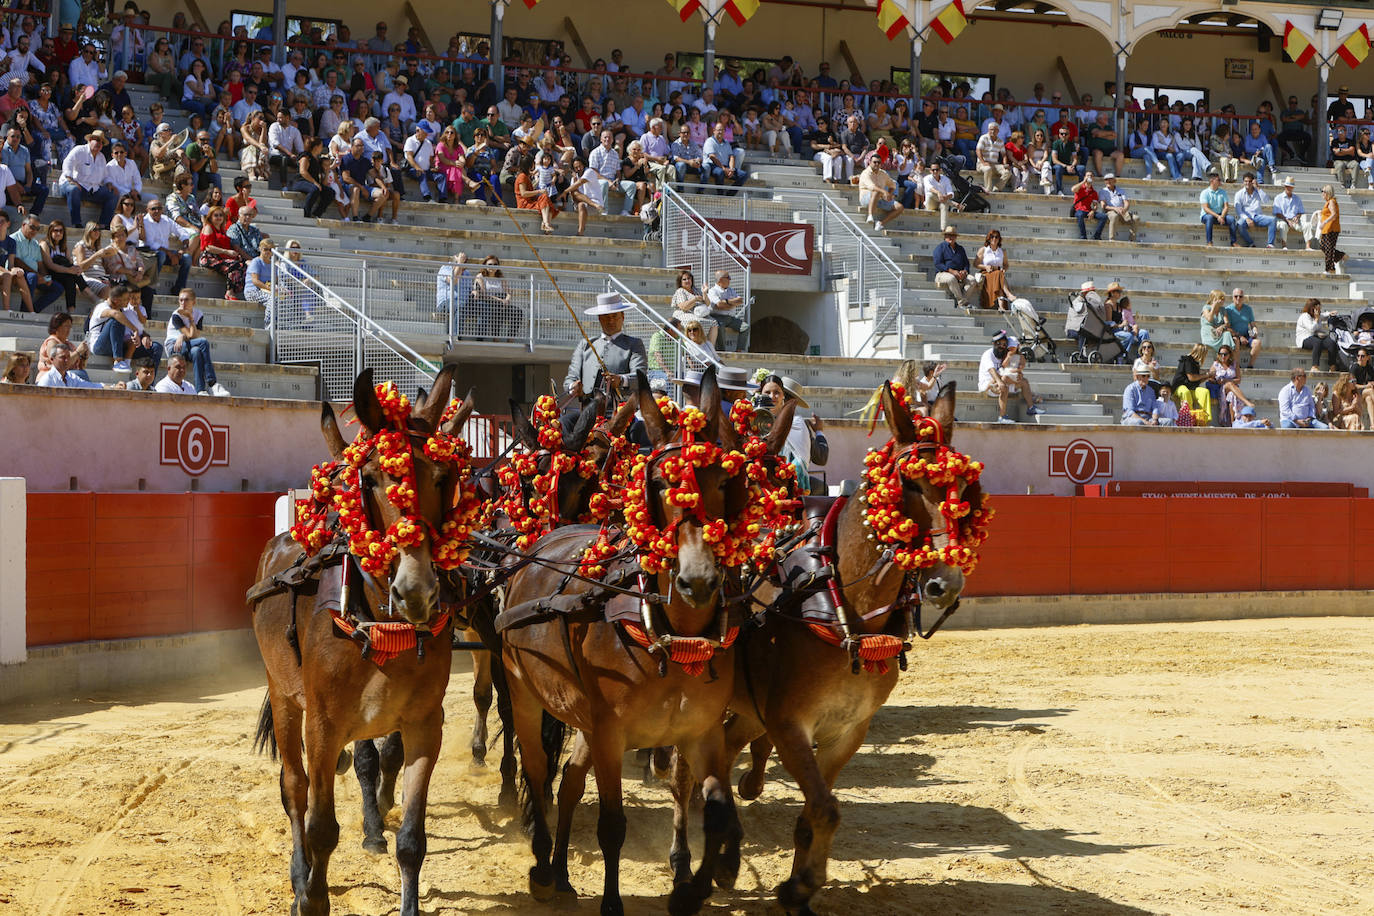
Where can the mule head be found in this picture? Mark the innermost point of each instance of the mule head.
(574, 490)
(413, 588)
(939, 584)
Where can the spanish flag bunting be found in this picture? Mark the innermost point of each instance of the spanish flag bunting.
(741, 10)
(890, 18)
(531, 4)
(1355, 48)
(950, 22)
(1297, 46)
(685, 8)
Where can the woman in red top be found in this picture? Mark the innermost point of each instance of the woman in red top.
(1018, 160)
(528, 197)
(1085, 205)
(218, 254)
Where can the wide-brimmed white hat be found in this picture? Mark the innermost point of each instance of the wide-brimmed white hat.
(795, 389)
(1288, 182)
(608, 304)
(1087, 287)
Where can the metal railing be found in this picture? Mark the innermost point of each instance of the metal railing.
(874, 286)
(690, 241)
(436, 304)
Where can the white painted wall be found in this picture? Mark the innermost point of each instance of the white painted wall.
(13, 565)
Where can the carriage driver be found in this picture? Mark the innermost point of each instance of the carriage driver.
(623, 355)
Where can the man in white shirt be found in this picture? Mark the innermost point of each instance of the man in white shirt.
(634, 118)
(164, 239)
(725, 309)
(246, 105)
(122, 174)
(999, 376)
(721, 161)
(19, 61)
(419, 156)
(605, 161)
(174, 382)
(1117, 207)
(509, 108)
(84, 70)
(549, 89)
(58, 376)
(939, 193)
(400, 95)
(284, 141)
(990, 152)
(707, 103)
(84, 178)
(293, 63)
(374, 141)
(878, 193)
(999, 118)
(1289, 214)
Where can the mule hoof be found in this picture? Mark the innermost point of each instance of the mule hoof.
(727, 871)
(508, 799)
(479, 758)
(684, 900)
(344, 763)
(564, 893)
(751, 785)
(793, 897)
(386, 800)
(612, 907)
(375, 846)
(542, 883)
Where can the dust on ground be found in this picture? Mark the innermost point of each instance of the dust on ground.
(1180, 768)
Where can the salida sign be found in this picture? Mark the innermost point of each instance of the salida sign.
(772, 248)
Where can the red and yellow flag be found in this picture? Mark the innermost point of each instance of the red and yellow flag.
(1355, 48)
(950, 22)
(685, 8)
(1297, 46)
(891, 19)
(741, 10)
(531, 4)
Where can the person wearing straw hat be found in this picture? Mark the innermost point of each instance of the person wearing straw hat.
(613, 357)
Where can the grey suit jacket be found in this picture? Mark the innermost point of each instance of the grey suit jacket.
(624, 356)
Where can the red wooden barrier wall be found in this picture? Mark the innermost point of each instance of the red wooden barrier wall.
(111, 566)
(1054, 545)
(118, 565)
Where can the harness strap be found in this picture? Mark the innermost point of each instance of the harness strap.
(383, 640)
(691, 652)
(873, 649)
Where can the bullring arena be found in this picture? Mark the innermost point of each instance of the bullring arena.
(1023, 550)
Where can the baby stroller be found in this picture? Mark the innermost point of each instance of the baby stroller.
(1350, 337)
(1090, 331)
(964, 192)
(1028, 327)
(651, 215)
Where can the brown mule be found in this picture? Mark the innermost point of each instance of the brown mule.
(591, 676)
(329, 694)
(797, 692)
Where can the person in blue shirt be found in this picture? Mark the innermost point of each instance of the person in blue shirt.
(1254, 210)
(1138, 401)
(952, 269)
(1216, 208)
(1259, 155)
(1248, 420)
(1242, 320)
(1297, 407)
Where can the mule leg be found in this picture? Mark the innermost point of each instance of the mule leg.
(684, 784)
(366, 764)
(391, 756)
(720, 820)
(483, 625)
(751, 783)
(534, 763)
(321, 826)
(820, 817)
(295, 789)
(422, 743)
(481, 698)
(570, 792)
(608, 749)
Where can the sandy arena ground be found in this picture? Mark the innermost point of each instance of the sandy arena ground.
(1195, 768)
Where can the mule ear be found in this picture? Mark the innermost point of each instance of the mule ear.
(897, 416)
(366, 407)
(523, 428)
(329, 425)
(782, 425)
(622, 418)
(586, 422)
(454, 425)
(655, 426)
(710, 404)
(942, 411)
(433, 404)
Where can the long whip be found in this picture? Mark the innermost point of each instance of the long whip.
(520, 229)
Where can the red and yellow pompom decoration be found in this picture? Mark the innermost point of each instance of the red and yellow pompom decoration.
(771, 505)
(335, 485)
(945, 469)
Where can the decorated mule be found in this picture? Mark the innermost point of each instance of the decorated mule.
(626, 634)
(827, 652)
(353, 622)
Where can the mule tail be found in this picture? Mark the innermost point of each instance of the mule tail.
(266, 737)
(553, 736)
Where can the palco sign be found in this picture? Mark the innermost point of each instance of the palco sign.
(772, 248)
